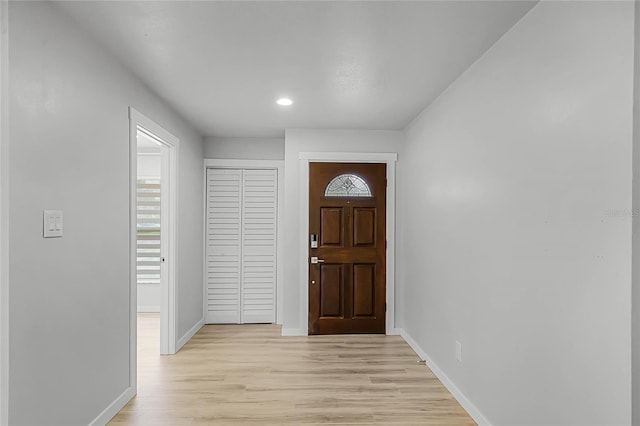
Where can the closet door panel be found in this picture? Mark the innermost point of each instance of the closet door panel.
(259, 216)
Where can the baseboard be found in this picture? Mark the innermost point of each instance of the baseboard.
(294, 332)
(148, 308)
(184, 339)
(473, 411)
(114, 408)
(302, 332)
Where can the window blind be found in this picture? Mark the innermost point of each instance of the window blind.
(148, 231)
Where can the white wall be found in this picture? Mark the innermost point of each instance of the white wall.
(244, 148)
(149, 297)
(297, 141)
(69, 147)
(514, 203)
(149, 165)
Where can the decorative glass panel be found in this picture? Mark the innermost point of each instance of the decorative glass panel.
(347, 185)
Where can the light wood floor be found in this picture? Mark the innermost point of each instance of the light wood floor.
(250, 375)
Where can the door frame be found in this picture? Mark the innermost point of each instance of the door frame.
(4, 213)
(171, 145)
(390, 160)
(278, 165)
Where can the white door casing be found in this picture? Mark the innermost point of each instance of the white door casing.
(170, 145)
(4, 216)
(346, 157)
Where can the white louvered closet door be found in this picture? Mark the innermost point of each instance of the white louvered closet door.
(224, 209)
(241, 245)
(259, 246)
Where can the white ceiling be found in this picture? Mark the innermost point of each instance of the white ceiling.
(346, 64)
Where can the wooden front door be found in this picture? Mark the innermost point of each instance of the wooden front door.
(347, 248)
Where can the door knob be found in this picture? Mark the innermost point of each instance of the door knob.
(314, 260)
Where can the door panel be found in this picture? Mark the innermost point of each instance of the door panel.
(224, 199)
(259, 213)
(331, 225)
(331, 291)
(347, 285)
(364, 290)
(364, 227)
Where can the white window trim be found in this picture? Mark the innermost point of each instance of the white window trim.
(390, 160)
(252, 164)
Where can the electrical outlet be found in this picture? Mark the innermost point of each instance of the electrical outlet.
(458, 351)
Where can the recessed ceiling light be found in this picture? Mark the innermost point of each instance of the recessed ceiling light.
(284, 102)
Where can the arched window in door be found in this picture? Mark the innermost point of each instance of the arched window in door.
(347, 185)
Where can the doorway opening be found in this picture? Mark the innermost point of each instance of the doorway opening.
(153, 201)
(149, 270)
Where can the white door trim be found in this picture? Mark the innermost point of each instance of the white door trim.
(171, 145)
(347, 157)
(253, 164)
(4, 214)
(168, 243)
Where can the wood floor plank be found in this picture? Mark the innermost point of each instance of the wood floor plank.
(251, 375)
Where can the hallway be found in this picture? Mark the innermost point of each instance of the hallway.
(250, 375)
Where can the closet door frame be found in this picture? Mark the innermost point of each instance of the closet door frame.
(277, 165)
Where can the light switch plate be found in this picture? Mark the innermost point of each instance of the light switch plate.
(52, 223)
